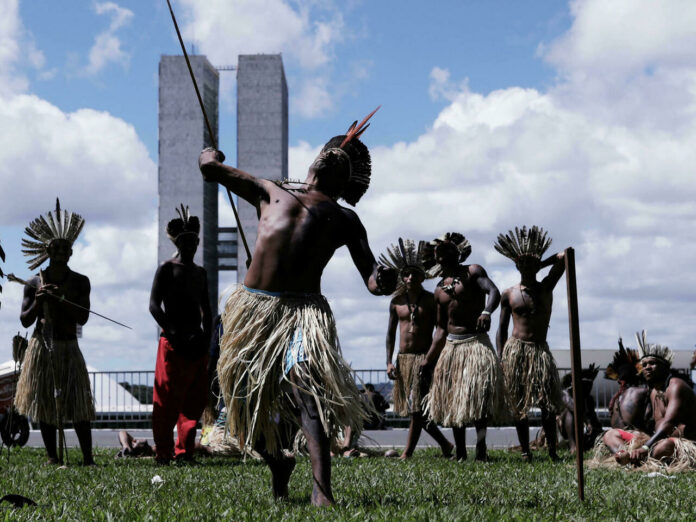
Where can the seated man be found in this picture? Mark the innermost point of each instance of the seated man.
(674, 409)
(629, 408)
(592, 428)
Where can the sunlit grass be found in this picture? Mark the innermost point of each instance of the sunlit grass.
(425, 488)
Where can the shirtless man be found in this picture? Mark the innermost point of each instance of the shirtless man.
(467, 381)
(592, 427)
(54, 384)
(674, 408)
(181, 373)
(629, 408)
(279, 354)
(531, 376)
(413, 311)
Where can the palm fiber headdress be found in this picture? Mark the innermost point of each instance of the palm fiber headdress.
(532, 242)
(407, 255)
(184, 224)
(55, 225)
(348, 146)
(663, 353)
(455, 238)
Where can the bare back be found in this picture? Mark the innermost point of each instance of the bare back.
(298, 233)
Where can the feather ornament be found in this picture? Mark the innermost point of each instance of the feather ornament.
(523, 242)
(42, 231)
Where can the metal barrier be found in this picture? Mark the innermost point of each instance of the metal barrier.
(125, 397)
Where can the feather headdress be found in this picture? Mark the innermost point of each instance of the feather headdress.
(184, 224)
(455, 238)
(532, 242)
(58, 224)
(407, 255)
(657, 351)
(623, 365)
(358, 157)
(587, 375)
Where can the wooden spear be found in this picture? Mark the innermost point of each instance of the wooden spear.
(210, 130)
(576, 366)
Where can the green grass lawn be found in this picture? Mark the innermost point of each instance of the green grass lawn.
(425, 488)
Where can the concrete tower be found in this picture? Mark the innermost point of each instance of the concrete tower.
(262, 132)
(182, 136)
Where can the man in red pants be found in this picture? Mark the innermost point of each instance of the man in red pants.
(180, 392)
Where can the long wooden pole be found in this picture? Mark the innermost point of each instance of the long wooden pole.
(210, 131)
(576, 366)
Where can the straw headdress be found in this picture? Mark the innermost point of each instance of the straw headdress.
(524, 242)
(44, 230)
(455, 238)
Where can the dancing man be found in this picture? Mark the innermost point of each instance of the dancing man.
(413, 311)
(467, 381)
(280, 355)
(673, 402)
(181, 372)
(531, 376)
(54, 384)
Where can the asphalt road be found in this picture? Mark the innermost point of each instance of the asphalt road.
(496, 437)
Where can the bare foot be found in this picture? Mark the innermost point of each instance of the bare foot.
(554, 456)
(89, 462)
(390, 454)
(527, 457)
(53, 461)
(405, 456)
(280, 477)
(622, 457)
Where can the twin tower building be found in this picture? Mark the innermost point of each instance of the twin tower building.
(262, 149)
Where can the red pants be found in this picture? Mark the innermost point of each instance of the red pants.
(179, 399)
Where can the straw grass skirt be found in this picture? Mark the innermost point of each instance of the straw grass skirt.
(407, 394)
(531, 377)
(35, 389)
(683, 458)
(258, 330)
(467, 384)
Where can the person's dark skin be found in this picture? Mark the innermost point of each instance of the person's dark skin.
(181, 287)
(566, 419)
(414, 338)
(299, 230)
(460, 312)
(61, 322)
(529, 304)
(674, 409)
(631, 409)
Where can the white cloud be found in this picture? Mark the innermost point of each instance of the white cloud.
(107, 46)
(92, 160)
(305, 32)
(603, 160)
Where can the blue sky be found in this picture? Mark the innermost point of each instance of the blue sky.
(579, 117)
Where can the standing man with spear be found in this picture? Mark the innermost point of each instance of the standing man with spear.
(54, 384)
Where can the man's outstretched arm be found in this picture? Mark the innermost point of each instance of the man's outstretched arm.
(378, 279)
(241, 183)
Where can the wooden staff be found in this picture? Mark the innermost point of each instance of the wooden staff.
(576, 366)
(210, 130)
